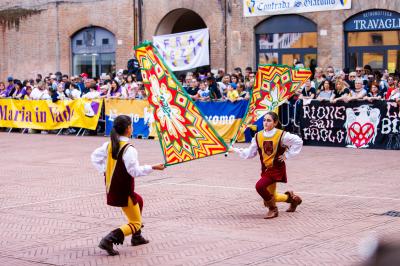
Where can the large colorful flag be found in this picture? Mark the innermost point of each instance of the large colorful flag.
(273, 86)
(183, 132)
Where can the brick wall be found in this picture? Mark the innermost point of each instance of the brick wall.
(32, 48)
(240, 30)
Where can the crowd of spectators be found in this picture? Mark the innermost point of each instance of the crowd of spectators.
(325, 85)
(361, 84)
(220, 86)
(60, 86)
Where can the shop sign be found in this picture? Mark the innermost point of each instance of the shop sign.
(374, 20)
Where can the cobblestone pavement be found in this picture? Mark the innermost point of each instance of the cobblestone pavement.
(205, 212)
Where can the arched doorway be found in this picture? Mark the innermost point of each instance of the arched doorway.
(372, 37)
(93, 51)
(277, 43)
(180, 20)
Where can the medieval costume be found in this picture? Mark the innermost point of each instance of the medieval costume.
(120, 189)
(272, 145)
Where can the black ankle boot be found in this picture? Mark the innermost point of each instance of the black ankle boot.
(114, 237)
(138, 239)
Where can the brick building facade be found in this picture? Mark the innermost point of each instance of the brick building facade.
(40, 42)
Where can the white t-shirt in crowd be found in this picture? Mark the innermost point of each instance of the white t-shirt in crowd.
(75, 94)
(37, 94)
(91, 95)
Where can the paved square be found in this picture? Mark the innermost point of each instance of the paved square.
(205, 212)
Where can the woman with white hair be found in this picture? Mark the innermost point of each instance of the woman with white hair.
(359, 92)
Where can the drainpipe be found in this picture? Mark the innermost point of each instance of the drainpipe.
(140, 4)
(134, 23)
(225, 38)
(58, 53)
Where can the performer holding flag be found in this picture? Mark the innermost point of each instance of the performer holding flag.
(274, 147)
(118, 161)
(274, 84)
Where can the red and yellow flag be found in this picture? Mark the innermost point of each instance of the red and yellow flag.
(273, 85)
(183, 132)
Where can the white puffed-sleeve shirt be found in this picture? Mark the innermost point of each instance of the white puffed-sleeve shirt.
(130, 158)
(293, 142)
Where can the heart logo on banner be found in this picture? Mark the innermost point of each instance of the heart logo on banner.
(361, 134)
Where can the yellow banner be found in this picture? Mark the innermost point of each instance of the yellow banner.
(46, 115)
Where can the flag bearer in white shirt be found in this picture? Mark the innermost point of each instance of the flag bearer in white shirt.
(274, 146)
(118, 161)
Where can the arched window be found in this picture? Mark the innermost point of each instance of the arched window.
(93, 52)
(286, 39)
(180, 20)
(372, 37)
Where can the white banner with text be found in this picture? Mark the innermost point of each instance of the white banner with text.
(184, 50)
(253, 8)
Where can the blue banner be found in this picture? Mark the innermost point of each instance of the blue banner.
(217, 110)
(225, 117)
